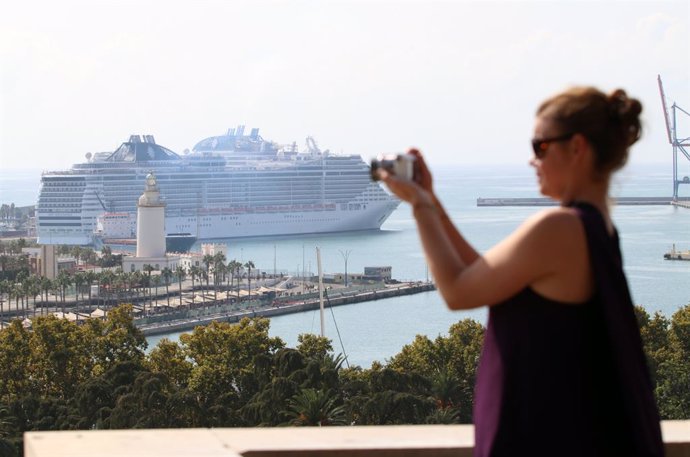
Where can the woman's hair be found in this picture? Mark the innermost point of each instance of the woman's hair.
(611, 123)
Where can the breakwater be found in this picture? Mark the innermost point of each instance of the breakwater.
(624, 201)
(188, 319)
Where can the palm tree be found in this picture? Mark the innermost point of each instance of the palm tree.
(234, 268)
(156, 282)
(46, 285)
(106, 280)
(148, 269)
(167, 274)
(21, 279)
(315, 407)
(180, 272)
(5, 288)
(194, 273)
(218, 271)
(203, 274)
(79, 280)
(64, 280)
(90, 277)
(35, 289)
(249, 266)
(207, 261)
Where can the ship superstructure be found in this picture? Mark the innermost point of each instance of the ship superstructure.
(233, 185)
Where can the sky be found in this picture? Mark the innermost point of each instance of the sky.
(459, 79)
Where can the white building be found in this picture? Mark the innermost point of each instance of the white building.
(150, 232)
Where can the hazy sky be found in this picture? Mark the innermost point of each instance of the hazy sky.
(459, 79)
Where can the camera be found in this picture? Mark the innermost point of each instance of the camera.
(401, 165)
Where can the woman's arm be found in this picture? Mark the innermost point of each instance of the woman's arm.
(466, 252)
(547, 250)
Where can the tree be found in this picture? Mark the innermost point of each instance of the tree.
(315, 407)
(223, 358)
(59, 356)
(79, 281)
(207, 260)
(673, 373)
(167, 273)
(148, 269)
(194, 273)
(156, 282)
(249, 266)
(314, 346)
(168, 358)
(180, 273)
(90, 277)
(47, 286)
(115, 339)
(15, 378)
(5, 289)
(34, 289)
(455, 356)
(234, 267)
(218, 271)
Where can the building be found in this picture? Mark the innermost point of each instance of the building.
(150, 232)
(214, 248)
(378, 273)
(43, 261)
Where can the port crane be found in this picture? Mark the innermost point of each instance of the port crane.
(678, 144)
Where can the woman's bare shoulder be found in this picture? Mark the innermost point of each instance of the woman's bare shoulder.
(560, 222)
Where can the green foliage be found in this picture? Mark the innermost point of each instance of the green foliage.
(313, 345)
(450, 361)
(315, 407)
(96, 375)
(667, 348)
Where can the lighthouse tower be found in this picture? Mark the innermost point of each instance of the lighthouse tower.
(151, 221)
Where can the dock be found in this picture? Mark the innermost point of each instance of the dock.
(189, 319)
(682, 203)
(620, 201)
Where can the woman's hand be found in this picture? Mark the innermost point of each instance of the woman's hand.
(422, 173)
(407, 190)
(417, 192)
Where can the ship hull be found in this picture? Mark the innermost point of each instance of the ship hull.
(212, 195)
(231, 224)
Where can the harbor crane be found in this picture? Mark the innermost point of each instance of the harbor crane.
(678, 144)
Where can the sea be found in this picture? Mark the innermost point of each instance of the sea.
(377, 330)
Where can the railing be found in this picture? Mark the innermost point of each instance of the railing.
(369, 441)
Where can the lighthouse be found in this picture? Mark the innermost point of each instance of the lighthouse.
(151, 221)
(150, 232)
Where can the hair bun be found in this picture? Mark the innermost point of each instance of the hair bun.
(626, 111)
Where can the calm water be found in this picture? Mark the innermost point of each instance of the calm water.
(377, 330)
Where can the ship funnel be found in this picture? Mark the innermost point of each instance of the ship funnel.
(149, 139)
(134, 139)
(240, 130)
(255, 134)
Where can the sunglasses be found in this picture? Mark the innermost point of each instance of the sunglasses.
(540, 145)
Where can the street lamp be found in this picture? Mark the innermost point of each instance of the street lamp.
(345, 255)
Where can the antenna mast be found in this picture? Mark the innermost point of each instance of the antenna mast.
(318, 262)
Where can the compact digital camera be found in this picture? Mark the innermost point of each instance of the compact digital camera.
(401, 165)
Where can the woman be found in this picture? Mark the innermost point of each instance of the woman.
(562, 371)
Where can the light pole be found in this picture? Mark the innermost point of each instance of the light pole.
(345, 255)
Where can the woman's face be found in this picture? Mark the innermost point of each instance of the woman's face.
(552, 159)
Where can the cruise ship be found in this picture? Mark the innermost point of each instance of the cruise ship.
(229, 186)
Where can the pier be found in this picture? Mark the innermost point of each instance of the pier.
(188, 319)
(621, 201)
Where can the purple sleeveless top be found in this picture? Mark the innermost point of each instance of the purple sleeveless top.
(563, 379)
